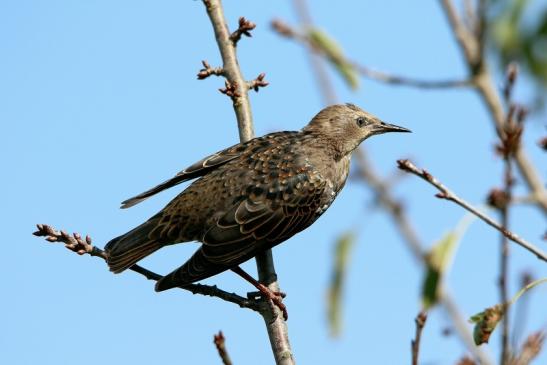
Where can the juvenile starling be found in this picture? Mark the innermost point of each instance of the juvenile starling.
(251, 196)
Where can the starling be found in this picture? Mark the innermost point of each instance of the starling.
(250, 197)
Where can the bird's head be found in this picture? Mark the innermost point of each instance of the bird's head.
(347, 125)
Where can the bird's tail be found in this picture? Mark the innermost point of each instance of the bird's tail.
(126, 250)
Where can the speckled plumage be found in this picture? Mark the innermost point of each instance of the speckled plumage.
(249, 197)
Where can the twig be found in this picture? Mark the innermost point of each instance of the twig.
(415, 344)
(245, 27)
(76, 244)
(404, 225)
(445, 193)
(509, 144)
(482, 81)
(259, 82)
(207, 71)
(275, 324)
(285, 30)
(219, 342)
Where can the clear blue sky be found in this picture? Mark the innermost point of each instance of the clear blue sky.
(99, 101)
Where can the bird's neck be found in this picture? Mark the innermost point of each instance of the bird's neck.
(329, 160)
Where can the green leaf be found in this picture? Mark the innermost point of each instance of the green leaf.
(343, 248)
(334, 54)
(439, 259)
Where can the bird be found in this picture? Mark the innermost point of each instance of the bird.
(249, 197)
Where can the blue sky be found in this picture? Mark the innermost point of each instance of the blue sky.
(99, 101)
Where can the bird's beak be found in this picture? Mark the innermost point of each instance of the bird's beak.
(383, 127)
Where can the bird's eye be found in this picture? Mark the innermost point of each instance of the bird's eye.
(361, 121)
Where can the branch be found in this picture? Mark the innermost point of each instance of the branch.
(230, 66)
(76, 244)
(207, 71)
(482, 81)
(285, 30)
(245, 27)
(445, 193)
(402, 222)
(275, 324)
(219, 342)
(415, 344)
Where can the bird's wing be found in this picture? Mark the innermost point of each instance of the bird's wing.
(266, 216)
(198, 169)
(269, 215)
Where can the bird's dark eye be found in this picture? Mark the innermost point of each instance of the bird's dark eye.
(361, 121)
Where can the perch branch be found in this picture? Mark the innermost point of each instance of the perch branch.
(275, 324)
(81, 246)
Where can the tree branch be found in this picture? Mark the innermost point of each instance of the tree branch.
(76, 244)
(285, 30)
(445, 193)
(482, 81)
(275, 324)
(231, 69)
(404, 225)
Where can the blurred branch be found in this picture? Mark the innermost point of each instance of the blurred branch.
(471, 46)
(287, 31)
(381, 188)
(415, 344)
(530, 349)
(76, 244)
(445, 193)
(220, 344)
(403, 224)
(275, 324)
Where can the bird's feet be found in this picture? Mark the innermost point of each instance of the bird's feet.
(275, 297)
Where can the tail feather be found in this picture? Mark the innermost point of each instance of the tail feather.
(126, 250)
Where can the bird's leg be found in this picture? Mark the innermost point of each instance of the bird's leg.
(275, 296)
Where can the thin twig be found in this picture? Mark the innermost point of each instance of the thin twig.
(445, 193)
(285, 30)
(275, 324)
(220, 344)
(509, 143)
(482, 81)
(415, 344)
(76, 244)
(504, 262)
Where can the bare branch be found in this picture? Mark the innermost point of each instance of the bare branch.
(445, 193)
(231, 69)
(245, 27)
(258, 82)
(207, 71)
(285, 30)
(530, 349)
(76, 244)
(482, 80)
(275, 324)
(415, 344)
(219, 342)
